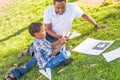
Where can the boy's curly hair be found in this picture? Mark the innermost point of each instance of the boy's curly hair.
(34, 28)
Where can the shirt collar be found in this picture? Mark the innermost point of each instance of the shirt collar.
(36, 39)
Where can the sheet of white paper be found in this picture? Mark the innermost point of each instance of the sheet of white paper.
(63, 34)
(44, 73)
(48, 70)
(74, 34)
(93, 46)
(112, 55)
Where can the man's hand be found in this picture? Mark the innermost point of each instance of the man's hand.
(101, 27)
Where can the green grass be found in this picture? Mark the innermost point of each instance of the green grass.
(14, 37)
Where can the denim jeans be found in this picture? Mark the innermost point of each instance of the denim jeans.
(28, 65)
(17, 72)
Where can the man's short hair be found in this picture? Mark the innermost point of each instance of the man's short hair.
(59, 1)
(34, 28)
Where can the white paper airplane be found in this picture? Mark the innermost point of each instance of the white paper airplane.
(46, 72)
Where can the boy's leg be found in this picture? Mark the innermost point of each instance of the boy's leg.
(23, 69)
(60, 58)
(55, 61)
(65, 52)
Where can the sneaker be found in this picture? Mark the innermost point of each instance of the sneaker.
(66, 62)
(10, 77)
(23, 53)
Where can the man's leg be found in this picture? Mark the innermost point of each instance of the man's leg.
(28, 51)
(51, 39)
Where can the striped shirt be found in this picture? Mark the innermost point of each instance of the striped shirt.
(62, 23)
(43, 50)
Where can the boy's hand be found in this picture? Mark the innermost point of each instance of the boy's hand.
(62, 41)
(67, 38)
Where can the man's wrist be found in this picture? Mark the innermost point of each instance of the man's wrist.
(96, 25)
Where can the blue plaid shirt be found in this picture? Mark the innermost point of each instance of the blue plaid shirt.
(42, 50)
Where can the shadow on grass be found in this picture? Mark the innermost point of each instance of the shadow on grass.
(17, 33)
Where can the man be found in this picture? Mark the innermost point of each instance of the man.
(58, 18)
(58, 21)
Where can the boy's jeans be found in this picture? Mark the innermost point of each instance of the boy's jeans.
(23, 69)
(26, 67)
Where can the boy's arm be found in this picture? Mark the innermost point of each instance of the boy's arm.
(56, 50)
(57, 45)
(60, 41)
(54, 44)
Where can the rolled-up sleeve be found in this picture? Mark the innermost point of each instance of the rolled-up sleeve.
(47, 16)
(78, 11)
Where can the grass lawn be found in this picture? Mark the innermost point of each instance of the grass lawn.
(14, 38)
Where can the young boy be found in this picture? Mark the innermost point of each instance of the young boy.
(43, 49)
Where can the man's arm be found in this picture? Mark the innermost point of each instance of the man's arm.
(51, 32)
(90, 19)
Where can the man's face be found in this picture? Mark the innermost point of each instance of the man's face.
(60, 7)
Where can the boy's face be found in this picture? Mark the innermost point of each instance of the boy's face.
(41, 34)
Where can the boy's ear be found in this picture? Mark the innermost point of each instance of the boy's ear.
(36, 34)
